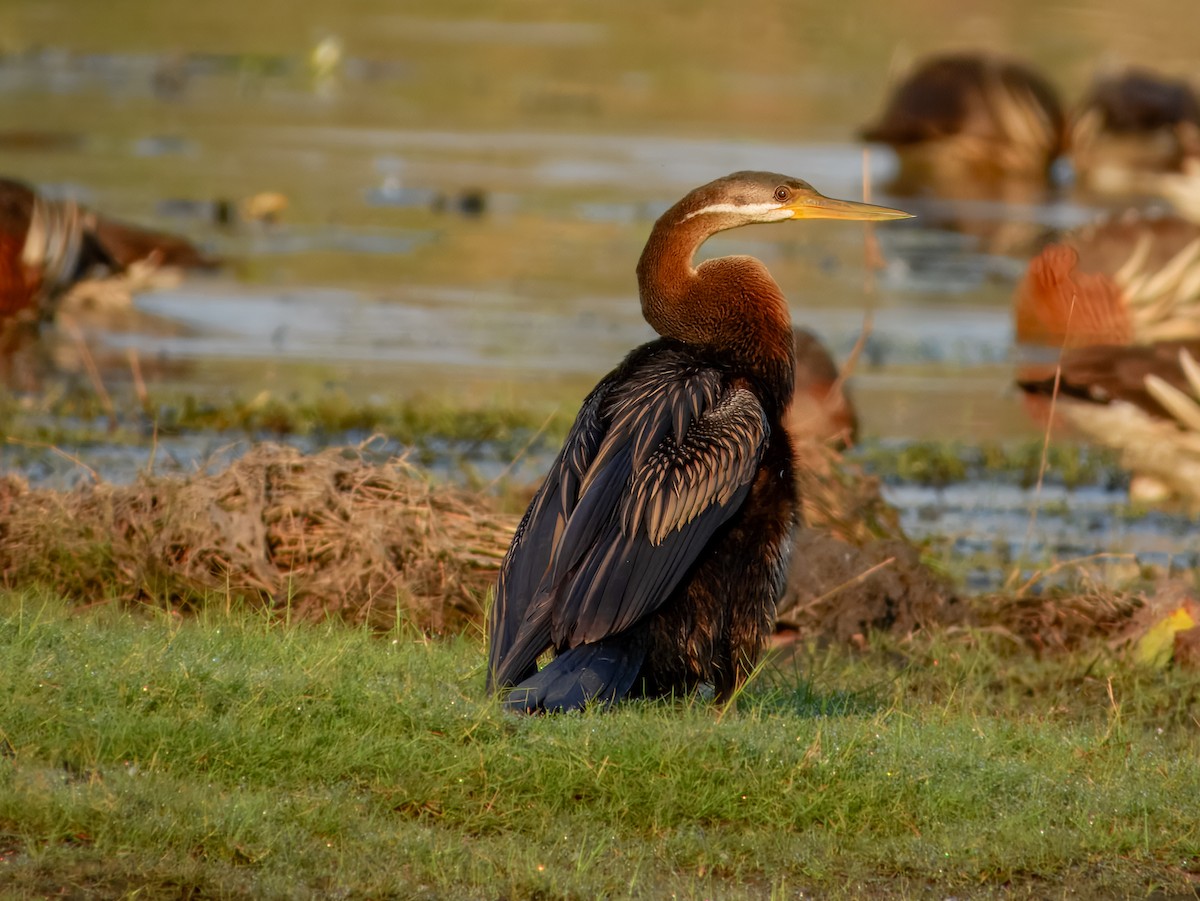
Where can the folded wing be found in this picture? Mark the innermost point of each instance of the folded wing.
(660, 457)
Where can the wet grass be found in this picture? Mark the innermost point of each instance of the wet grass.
(939, 463)
(238, 755)
(434, 428)
(443, 427)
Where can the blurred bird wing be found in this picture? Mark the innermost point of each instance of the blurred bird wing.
(1136, 374)
(1059, 305)
(646, 479)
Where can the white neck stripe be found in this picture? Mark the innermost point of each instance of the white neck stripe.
(755, 210)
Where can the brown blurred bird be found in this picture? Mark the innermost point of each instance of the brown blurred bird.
(651, 559)
(1143, 401)
(1129, 279)
(1132, 374)
(47, 245)
(1121, 374)
(963, 119)
(1136, 131)
(822, 410)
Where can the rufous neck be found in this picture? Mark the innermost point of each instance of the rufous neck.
(666, 274)
(729, 306)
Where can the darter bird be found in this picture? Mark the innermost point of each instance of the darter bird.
(651, 559)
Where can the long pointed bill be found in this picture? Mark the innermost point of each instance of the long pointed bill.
(818, 206)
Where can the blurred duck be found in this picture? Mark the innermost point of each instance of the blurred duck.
(964, 121)
(822, 422)
(1123, 372)
(47, 245)
(1138, 132)
(1142, 400)
(1130, 279)
(821, 411)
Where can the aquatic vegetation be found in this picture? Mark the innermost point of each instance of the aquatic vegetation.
(940, 463)
(435, 429)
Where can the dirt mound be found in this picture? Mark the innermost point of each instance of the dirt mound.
(843, 592)
(330, 534)
(853, 571)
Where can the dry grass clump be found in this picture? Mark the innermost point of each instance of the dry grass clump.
(335, 534)
(1152, 626)
(329, 534)
(1058, 622)
(854, 573)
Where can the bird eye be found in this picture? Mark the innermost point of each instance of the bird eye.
(782, 193)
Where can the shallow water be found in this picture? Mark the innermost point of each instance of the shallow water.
(469, 187)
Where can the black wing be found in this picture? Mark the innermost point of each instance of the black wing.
(662, 454)
(529, 554)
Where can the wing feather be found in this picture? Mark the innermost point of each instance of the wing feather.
(662, 455)
(539, 532)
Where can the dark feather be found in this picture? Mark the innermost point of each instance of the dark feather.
(601, 673)
(662, 455)
(1102, 374)
(539, 532)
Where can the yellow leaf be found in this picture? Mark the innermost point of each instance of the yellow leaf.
(1157, 645)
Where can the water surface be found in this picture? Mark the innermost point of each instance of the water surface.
(469, 186)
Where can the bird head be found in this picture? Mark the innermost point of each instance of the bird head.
(744, 198)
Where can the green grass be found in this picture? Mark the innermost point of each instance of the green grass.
(236, 756)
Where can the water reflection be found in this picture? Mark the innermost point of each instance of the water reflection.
(468, 193)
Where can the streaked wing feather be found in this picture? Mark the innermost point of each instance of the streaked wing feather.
(591, 513)
(636, 576)
(672, 507)
(531, 552)
(662, 454)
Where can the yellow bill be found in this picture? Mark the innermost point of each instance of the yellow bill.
(817, 206)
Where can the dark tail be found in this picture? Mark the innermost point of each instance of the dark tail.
(602, 672)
